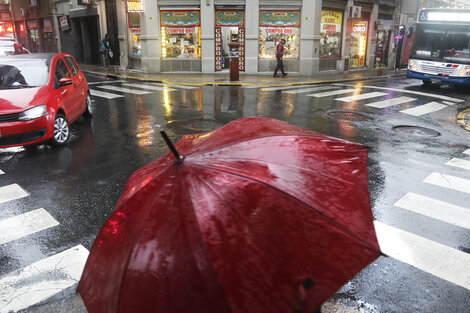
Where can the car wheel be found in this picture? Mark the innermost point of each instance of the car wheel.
(89, 106)
(61, 130)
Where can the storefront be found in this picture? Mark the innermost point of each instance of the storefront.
(331, 36)
(274, 26)
(384, 29)
(358, 43)
(181, 40)
(6, 25)
(134, 10)
(229, 27)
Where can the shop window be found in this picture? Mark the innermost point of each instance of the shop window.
(180, 34)
(331, 33)
(277, 25)
(358, 46)
(135, 47)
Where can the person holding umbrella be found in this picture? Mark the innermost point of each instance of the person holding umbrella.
(106, 50)
(279, 54)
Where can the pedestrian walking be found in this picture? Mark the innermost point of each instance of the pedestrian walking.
(105, 50)
(279, 54)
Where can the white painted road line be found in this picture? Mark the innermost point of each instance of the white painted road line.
(464, 164)
(309, 89)
(424, 109)
(333, 93)
(390, 102)
(448, 181)
(448, 102)
(2, 172)
(467, 151)
(362, 96)
(107, 82)
(150, 87)
(120, 89)
(41, 280)
(440, 210)
(285, 87)
(25, 224)
(12, 192)
(429, 256)
(104, 94)
(419, 93)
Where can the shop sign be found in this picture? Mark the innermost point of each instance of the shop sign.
(360, 28)
(331, 22)
(32, 24)
(229, 18)
(64, 23)
(180, 30)
(179, 18)
(279, 18)
(279, 30)
(134, 20)
(218, 49)
(47, 25)
(134, 6)
(5, 16)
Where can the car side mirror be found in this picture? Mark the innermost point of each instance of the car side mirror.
(65, 82)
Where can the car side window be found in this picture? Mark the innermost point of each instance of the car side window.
(72, 66)
(61, 71)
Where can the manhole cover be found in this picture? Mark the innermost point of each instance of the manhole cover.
(348, 115)
(416, 131)
(199, 125)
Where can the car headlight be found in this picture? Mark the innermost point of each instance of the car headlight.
(33, 113)
(412, 65)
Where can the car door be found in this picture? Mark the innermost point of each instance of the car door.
(79, 83)
(67, 96)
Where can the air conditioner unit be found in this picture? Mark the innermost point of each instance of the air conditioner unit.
(355, 11)
(22, 12)
(33, 3)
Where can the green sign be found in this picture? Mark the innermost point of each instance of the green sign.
(279, 18)
(134, 20)
(229, 18)
(179, 18)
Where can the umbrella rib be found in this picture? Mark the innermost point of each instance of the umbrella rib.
(366, 244)
(281, 164)
(271, 136)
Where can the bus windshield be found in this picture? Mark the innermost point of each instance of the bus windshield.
(442, 42)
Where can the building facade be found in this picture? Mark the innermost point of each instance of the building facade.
(193, 35)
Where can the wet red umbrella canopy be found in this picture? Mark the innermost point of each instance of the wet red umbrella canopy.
(250, 212)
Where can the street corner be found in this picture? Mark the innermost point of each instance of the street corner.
(463, 118)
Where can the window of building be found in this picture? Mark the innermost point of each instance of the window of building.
(331, 33)
(181, 36)
(135, 47)
(277, 25)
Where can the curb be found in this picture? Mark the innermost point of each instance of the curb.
(212, 83)
(463, 119)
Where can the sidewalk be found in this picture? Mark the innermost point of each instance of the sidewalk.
(259, 80)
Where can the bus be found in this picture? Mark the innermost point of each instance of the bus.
(440, 52)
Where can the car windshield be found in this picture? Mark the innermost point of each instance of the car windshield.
(444, 43)
(23, 73)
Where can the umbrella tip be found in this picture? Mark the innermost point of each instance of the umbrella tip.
(178, 157)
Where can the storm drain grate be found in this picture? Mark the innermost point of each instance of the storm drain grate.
(416, 131)
(348, 115)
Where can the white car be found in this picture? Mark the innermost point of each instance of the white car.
(7, 46)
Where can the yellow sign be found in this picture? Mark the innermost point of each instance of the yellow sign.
(134, 6)
(331, 22)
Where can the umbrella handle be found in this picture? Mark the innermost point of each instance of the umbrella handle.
(179, 158)
(304, 285)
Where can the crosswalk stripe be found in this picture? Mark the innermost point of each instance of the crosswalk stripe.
(12, 192)
(309, 89)
(332, 93)
(363, 96)
(2, 172)
(429, 256)
(284, 88)
(120, 89)
(424, 109)
(440, 210)
(390, 102)
(150, 87)
(104, 94)
(448, 181)
(464, 164)
(107, 82)
(25, 224)
(467, 151)
(449, 102)
(41, 280)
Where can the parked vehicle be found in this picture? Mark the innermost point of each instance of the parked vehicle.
(9, 46)
(40, 96)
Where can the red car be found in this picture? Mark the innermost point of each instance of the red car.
(40, 96)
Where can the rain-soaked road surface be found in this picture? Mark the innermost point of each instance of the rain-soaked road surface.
(57, 199)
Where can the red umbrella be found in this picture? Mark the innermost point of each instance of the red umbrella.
(252, 216)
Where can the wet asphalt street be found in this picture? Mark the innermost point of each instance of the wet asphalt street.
(419, 178)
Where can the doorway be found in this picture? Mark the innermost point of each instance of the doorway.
(230, 27)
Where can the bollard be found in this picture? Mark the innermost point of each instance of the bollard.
(234, 56)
